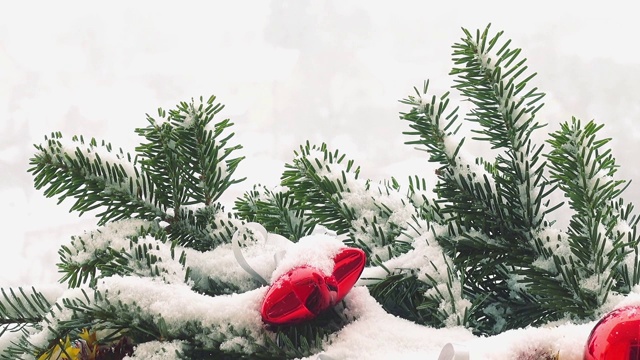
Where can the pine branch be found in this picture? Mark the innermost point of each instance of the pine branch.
(277, 210)
(120, 248)
(186, 162)
(20, 308)
(114, 184)
(599, 234)
(494, 209)
(114, 308)
(505, 110)
(372, 215)
(465, 191)
(305, 176)
(202, 229)
(186, 157)
(139, 248)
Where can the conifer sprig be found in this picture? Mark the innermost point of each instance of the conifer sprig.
(327, 185)
(601, 231)
(277, 210)
(96, 178)
(189, 158)
(491, 207)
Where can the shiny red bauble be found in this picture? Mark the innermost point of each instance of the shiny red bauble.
(304, 292)
(616, 336)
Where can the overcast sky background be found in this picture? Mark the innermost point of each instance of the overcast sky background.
(288, 71)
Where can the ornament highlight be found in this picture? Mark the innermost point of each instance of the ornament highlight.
(304, 292)
(616, 336)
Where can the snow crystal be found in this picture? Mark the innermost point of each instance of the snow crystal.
(556, 241)
(622, 227)
(595, 282)
(157, 350)
(375, 334)
(235, 344)
(565, 340)
(222, 170)
(426, 256)
(485, 59)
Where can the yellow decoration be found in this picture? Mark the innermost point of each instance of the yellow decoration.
(92, 342)
(62, 351)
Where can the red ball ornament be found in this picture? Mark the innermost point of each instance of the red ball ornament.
(616, 336)
(304, 292)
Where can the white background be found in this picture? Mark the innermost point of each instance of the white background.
(288, 71)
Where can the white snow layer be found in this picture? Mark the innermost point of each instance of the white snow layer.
(375, 334)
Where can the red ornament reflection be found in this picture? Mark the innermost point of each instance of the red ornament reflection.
(616, 336)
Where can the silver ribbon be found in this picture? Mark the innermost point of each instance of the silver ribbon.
(237, 252)
(454, 352)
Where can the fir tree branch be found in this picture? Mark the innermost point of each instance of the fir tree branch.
(116, 185)
(465, 191)
(124, 247)
(20, 308)
(505, 110)
(121, 309)
(374, 216)
(277, 210)
(188, 160)
(599, 237)
(202, 229)
(502, 200)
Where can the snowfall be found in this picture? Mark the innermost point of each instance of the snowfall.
(291, 71)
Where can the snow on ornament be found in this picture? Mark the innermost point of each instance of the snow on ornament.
(616, 336)
(311, 275)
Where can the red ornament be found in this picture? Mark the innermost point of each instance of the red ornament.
(616, 336)
(304, 292)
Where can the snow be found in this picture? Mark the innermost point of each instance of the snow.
(156, 350)
(315, 250)
(157, 299)
(378, 335)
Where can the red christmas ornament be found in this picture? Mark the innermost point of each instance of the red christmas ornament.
(616, 336)
(304, 292)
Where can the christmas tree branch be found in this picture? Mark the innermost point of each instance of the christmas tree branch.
(120, 248)
(187, 158)
(507, 120)
(20, 308)
(277, 210)
(372, 215)
(115, 184)
(599, 233)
